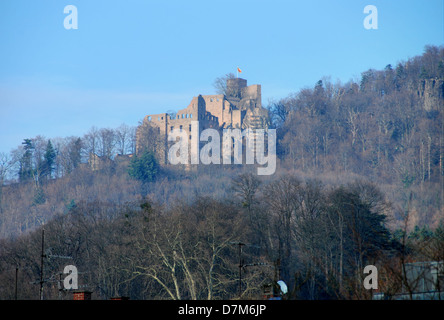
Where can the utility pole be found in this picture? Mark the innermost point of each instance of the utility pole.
(41, 264)
(48, 255)
(241, 262)
(16, 279)
(240, 244)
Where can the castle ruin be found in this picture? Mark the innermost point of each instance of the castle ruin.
(239, 108)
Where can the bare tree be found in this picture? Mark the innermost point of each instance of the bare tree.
(91, 143)
(123, 136)
(106, 143)
(6, 164)
(220, 84)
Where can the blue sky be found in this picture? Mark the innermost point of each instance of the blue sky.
(136, 57)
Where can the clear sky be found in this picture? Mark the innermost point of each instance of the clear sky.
(135, 57)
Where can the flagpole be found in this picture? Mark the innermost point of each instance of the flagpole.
(237, 71)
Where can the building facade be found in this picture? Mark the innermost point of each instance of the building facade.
(240, 107)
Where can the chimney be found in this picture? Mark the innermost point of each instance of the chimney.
(82, 295)
(119, 298)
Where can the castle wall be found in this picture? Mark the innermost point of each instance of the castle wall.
(253, 92)
(212, 111)
(214, 104)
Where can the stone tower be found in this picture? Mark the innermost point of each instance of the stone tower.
(240, 107)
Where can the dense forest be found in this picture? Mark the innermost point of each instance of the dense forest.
(359, 181)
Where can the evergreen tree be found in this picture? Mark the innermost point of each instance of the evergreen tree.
(48, 162)
(71, 206)
(26, 171)
(39, 196)
(74, 154)
(144, 167)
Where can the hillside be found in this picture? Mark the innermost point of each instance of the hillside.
(387, 129)
(373, 146)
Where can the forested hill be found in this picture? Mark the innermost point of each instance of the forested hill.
(359, 181)
(386, 128)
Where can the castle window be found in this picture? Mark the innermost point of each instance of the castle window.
(189, 127)
(180, 128)
(149, 118)
(172, 127)
(211, 100)
(191, 115)
(190, 136)
(158, 118)
(187, 116)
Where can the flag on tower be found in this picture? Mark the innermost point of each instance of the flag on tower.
(239, 70)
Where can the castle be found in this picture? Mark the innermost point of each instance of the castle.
(239, 107)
